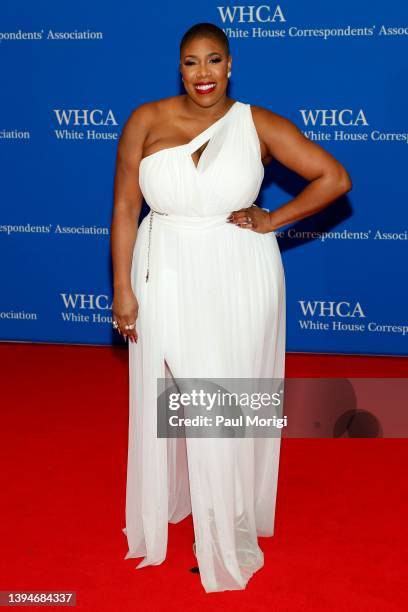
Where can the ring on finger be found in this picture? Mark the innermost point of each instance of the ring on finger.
(130, 326)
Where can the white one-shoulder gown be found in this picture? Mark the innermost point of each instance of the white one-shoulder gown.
(213, 306)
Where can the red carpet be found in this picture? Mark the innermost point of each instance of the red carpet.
(341, 526)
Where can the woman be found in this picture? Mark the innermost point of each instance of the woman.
(201, 294)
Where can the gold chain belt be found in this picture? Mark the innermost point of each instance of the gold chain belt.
(152, 212)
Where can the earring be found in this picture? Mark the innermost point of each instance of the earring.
(229, 73)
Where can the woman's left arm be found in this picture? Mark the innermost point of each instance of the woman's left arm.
(281, 139)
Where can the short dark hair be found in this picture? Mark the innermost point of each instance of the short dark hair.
(205, 29)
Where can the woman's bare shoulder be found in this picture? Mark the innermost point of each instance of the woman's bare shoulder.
(143, 121)
(148, 113)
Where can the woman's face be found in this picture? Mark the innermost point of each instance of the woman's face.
(204, 66)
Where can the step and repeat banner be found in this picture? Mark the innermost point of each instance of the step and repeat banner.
(72, 73)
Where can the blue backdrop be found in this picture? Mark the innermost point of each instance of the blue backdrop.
(72, 73)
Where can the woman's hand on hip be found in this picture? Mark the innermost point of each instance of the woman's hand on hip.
(253, 218)
(125, 310)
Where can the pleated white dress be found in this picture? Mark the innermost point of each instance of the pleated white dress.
(213, 306)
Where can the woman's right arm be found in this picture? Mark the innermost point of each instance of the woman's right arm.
(125, 217)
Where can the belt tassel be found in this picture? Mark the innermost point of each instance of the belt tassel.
(150, 238)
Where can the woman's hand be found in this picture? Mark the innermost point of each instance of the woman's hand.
(253, 217)
(125, 309)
